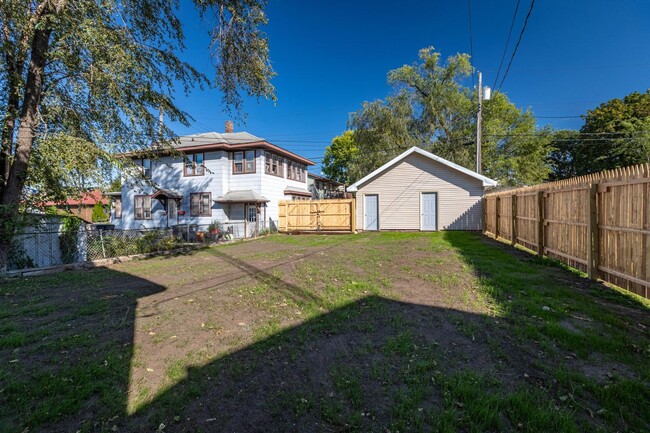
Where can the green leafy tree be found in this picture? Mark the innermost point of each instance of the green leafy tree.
(567, 155)
(115, 185)
(616, 134)
(382, 130)
(515, 152)
(338, 158)
(431, 108)
(92, 75)
(98, 214)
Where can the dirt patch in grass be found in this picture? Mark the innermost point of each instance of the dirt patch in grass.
(373, 332)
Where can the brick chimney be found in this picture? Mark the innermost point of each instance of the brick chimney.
(230, 127)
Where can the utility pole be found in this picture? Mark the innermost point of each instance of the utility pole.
(479, 121)
(483, 95)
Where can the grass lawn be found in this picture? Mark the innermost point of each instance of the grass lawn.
(385, 332)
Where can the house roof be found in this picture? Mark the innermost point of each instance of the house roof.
(217, 138)
(486, 180)
(166, 193)
(297, 191)
(323, 179)
(88, 198)
(230, 141)
(241, 196)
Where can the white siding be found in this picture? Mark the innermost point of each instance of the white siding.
(400, 187)
(273, 189)
(167, 173)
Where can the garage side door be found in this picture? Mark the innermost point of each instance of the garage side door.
(371, 210)
(429, 208)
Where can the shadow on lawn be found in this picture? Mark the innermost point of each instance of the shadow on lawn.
(66, 345)
(375, 364)
(372, 365)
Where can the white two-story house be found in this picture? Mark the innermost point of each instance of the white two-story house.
(234, 177)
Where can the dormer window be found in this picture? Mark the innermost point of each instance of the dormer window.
(194, 165)
(243, 162)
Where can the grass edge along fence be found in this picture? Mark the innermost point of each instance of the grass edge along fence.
(598, 223)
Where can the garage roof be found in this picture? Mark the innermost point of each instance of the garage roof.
(486, 180)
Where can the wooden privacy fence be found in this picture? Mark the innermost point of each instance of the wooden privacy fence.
(599, 223)
(317, 215)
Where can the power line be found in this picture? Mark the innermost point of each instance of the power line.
(471, 45)
(505, 49)
(558, 117)
(521, 35)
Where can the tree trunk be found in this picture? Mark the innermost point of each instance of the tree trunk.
(12, 193)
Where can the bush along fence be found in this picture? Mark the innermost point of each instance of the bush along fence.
(71, 242)
(599, 223)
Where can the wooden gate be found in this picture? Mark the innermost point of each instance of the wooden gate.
(317, 215)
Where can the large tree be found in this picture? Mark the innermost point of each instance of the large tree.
(337, 158)
(567, 156)
(88, 77)
(616, 134)
(432, 108)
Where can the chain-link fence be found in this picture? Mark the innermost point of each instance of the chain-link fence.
(102, 244)
(47, 247)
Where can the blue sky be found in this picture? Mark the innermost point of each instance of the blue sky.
(331, 56)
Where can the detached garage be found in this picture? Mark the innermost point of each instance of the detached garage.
(420, 191)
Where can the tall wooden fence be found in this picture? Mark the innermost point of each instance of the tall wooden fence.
(599, 223)
(317, 215)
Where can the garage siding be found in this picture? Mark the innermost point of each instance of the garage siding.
(399, 189)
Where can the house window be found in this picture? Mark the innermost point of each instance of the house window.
(295, 171)
(243, 162)
(200, 204)
(145, 167)
(142, 208)
(117, 207)
(194, 164)
(252, 214)
(273, 164)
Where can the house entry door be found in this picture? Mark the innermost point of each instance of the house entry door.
(172, 212)
(371, 208)
(429, 208)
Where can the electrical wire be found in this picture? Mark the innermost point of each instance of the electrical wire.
(471, 45)
(514, 53)
(505, 49)
(558, 117)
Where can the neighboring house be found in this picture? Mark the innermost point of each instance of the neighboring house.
(233, 177)
(420, 191)
(323, 188)
(83, 206)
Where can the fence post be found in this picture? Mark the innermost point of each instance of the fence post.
(101, 239)
(497, 206)
(484, 201)
(513, 222)
(592, 232)
(540, 223)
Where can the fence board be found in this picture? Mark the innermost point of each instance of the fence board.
(598, 223)
(316, 215)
